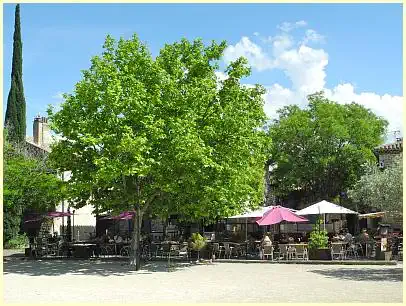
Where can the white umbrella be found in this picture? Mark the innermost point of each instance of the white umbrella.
(258, 213)
(323, 208)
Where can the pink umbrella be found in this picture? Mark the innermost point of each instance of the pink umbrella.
(52, 214)
(278, 214)
(57, 214)
(126, 215)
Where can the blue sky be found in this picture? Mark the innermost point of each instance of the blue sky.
(352, 51)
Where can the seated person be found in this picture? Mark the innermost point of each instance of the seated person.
(347, 236)
(291, 240)
(341, 235)
(335, 238)
(106, 238)
(363, 237)
(266, 241)
(283, 239)
(118, 239)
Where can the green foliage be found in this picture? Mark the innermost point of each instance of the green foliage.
(15, 118)
(28, 185)
(380, 189)
(197, 242)
(19, 241)
(319, 151)
(318, 237)
(162, 135)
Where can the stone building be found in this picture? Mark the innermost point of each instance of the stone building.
(388, 152)
(84, 222)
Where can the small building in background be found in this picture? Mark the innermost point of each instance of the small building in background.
(387, 153)
(83, 221)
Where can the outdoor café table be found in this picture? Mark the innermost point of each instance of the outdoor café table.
(236, 247)
(83, 250)
(292, 247)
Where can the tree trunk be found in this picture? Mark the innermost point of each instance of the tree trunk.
(135, 242)
(165, 229)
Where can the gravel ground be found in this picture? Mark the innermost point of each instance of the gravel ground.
(27, 281)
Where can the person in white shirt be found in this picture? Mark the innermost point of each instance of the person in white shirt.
(266, 241)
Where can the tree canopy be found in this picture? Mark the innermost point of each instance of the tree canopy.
(162, 135)
(28, 185)
(15, 119)
(320, 151)
(380, 189)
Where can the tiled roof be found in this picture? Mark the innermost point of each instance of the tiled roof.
(391, 147)
(29, 140)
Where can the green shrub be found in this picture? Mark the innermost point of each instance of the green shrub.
(318, 238)
(197, 243)
(20, 241)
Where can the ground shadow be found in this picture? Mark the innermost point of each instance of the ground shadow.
(86, 267)
(375, 275)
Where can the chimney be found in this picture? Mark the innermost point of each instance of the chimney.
(41, 131)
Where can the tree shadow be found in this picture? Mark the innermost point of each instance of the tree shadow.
(86, 267)
(374, 275)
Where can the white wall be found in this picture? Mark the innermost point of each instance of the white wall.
(84, 221)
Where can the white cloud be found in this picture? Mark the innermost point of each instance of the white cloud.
(58, 95)
(313, 36)
(280, 43)
(251, 51)
(388, 106)
(276, 97)
(289, 26)
(305, 67)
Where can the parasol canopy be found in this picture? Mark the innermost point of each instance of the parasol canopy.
(125, 215)
(57, 214)
(325, 207)
(372, 215)
(277, 214)
(258, 213)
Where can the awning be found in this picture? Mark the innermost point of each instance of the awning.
(372, 215)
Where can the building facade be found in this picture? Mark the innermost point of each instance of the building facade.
(83, 220)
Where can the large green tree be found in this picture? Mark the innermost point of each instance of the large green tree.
(380, 188)
(15, 119)
(320, 151)
(28, 185)
(162, 135)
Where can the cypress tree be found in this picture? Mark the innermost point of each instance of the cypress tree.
(15, 120)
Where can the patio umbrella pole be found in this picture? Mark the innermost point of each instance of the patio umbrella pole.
(246, 238)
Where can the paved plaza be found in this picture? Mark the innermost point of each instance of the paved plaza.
(53, 281)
